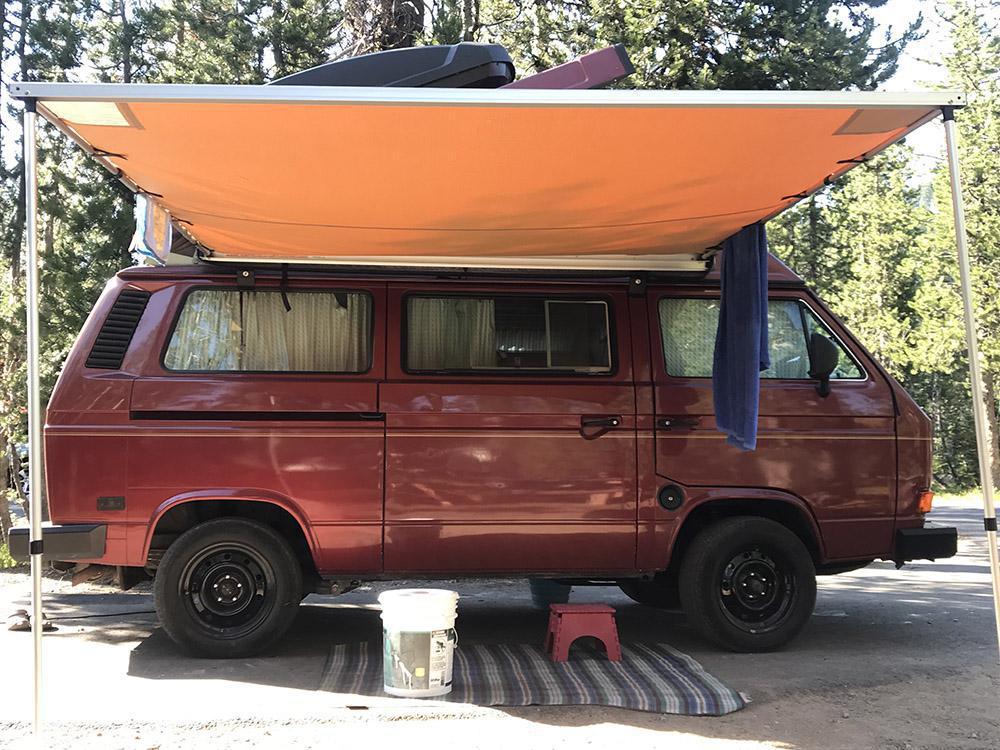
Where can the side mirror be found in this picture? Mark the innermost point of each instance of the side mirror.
(824, 355)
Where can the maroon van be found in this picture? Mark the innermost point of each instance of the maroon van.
(249, 437)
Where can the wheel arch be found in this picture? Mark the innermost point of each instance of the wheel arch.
(181, 512)
(788, 510)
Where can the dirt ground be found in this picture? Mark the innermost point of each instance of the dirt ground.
(891, 659)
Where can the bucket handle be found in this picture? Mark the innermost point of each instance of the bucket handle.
(453, 636)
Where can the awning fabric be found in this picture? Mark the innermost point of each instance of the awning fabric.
(297, 173)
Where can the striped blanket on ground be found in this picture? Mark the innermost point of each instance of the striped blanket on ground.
(650, 677)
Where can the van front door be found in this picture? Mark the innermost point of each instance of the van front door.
(510, 420)
(835, 453)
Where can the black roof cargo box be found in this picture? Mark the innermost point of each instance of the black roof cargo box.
(464, 65)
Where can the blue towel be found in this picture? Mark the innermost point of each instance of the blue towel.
(741, 349)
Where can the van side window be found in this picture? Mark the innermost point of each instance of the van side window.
(251, 331)
(688, 329)
(463, 334)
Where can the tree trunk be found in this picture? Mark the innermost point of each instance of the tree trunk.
(470, 18)
(15, 469)
(17, 231)
(126, 35)
(5, 521)
(990, 386)
(278, 40)
(3, 44)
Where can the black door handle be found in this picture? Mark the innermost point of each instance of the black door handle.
(670, 423)
(600, 421)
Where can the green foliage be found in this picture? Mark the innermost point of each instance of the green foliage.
(869, 247)
(877, 223)
(731, 44)
(6, 561)
(884, 257)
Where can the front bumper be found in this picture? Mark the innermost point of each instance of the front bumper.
(85, 541)
(927, 543)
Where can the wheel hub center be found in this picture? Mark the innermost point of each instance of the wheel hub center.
(229, 585)
(227, 590)
(752, 588)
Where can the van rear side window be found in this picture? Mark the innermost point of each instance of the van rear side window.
(252, 331)
(462, 334)
(688, 328)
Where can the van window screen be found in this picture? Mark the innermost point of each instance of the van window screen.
(688, 329)
(252, 331)
(461, 334)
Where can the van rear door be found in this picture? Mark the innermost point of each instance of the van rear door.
(269, 396)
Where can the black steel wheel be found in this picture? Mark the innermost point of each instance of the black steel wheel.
(755, 591)
(229, 587)
(748, 583)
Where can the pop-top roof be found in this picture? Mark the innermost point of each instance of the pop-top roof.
(474, 177)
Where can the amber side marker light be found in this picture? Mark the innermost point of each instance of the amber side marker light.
(925, 502)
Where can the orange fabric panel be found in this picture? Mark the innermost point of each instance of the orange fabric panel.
(317, 180)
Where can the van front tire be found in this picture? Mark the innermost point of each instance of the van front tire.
(228, 588)
(748, 584)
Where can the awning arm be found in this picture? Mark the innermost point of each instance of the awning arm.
(34, 396)
(975, 373)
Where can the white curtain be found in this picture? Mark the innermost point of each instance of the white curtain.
(207, 335)
(450, 333)
(226, 330)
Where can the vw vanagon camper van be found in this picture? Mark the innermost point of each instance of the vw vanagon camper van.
(247, 436)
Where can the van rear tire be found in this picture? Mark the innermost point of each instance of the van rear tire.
(228, 588)
(748, 584)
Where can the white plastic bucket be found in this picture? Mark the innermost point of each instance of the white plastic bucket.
(418, 641)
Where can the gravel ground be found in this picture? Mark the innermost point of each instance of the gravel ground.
(892, 659)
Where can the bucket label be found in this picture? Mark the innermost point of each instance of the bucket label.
(417, 660)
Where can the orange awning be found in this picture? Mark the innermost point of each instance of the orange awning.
(391, 175)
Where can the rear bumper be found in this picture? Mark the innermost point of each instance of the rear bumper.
(85, 541)
(927, 543)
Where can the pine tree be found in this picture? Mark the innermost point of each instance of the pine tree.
(891, 256)
(731, 44)
(879, 225)
(974, 66)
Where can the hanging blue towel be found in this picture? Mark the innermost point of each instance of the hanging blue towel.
(741, 348)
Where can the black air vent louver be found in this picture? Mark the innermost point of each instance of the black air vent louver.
(116, 333)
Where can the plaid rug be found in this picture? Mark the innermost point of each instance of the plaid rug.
(650, 677)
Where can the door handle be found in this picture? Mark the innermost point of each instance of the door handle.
(670, 423)
(611, 421)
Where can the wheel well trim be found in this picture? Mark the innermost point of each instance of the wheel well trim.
(699, 498)
(265, 497)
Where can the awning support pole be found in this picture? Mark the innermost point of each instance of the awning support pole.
(34, 396)
(975, 373)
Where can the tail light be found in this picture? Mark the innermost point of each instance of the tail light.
(925, 501)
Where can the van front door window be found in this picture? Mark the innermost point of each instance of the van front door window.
(688, 327)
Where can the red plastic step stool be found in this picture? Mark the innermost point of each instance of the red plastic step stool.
(567, 622)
